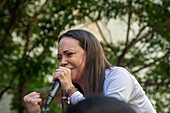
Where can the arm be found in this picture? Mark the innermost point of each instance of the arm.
(119, 84)
(76, 97)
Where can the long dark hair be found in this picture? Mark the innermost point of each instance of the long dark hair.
(96, 62)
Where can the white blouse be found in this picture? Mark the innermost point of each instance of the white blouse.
(119, 83)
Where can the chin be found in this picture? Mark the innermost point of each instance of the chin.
(73, 79)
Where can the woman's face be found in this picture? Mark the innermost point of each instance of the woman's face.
(72, 56)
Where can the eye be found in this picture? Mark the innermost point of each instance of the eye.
(69, 54)
(59, 58)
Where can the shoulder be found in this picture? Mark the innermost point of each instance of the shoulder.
(117, 71)
(119, 76)
(118, 83)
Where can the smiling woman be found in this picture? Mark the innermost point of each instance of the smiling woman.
(94, 61)
(82, 61)
(73, 57)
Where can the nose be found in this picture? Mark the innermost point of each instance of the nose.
(63, 62)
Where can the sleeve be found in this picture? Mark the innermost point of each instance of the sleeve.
(76, 97)
(119, 84)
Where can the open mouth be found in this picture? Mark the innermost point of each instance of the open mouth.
(71, 68)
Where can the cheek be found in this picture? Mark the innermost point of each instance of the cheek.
(73, 75)
(79, 66)
(76, 63)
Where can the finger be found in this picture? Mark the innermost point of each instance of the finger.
(61, 73)
(61, 67)
(36, 100)
(58, 70)
(55, 76)
(31, 95)
(58, 74)
(35, 96)
(63, 70)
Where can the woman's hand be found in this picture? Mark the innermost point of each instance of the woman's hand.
(64, 76)
(32, 102)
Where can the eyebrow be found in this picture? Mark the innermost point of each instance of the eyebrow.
(68, 50)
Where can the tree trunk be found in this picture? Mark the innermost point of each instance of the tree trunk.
(23, 89)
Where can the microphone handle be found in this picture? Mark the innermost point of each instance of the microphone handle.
(52, 93)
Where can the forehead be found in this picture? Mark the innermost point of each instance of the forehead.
(68, 43)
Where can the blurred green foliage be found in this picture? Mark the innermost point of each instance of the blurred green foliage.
(29, 30)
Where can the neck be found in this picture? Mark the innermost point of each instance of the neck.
(83, 87)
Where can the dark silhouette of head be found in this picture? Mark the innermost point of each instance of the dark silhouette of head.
(101, 104)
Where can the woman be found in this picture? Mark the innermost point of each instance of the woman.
(82, 61)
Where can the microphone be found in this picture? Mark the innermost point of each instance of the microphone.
(52, 93)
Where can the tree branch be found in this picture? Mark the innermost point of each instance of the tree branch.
(101, 33)
(165, 22)
(139, 39)
(114, 52)
(128, 29)
(30, 26)
(137, 54)
(132, 59)
(133, 42)
(155, 83)
(2, 4)
(104, 38)
(8, 87)
(10, 25)
(140, 31)
(147, 65)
